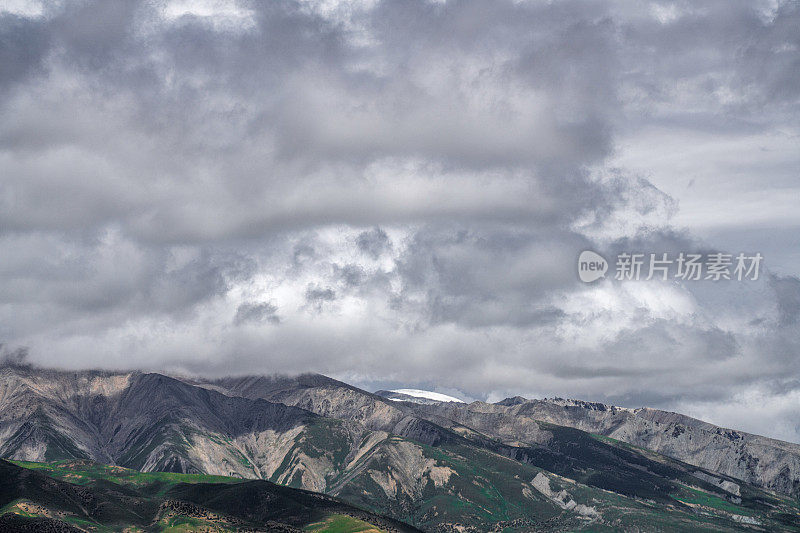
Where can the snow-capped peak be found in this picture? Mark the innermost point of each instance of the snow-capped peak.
(428, 395)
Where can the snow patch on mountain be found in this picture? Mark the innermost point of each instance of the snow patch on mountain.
(428, 395)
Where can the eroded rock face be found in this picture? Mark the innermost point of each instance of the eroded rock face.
(493, 420)
(145, 421)
(561, 498)
(410, 473)
(318, 394)
(329, 398)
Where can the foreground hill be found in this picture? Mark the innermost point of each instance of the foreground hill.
(441, 467)
(83, 496)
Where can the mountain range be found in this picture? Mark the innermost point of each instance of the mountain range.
(515, 465)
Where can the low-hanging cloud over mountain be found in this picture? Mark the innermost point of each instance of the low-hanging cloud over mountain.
(397, 192)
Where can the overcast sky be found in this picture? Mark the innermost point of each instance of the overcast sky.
(396, 193)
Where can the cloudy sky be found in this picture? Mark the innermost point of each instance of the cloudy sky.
(396, 193)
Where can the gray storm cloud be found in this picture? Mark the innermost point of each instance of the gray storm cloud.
(397, 192)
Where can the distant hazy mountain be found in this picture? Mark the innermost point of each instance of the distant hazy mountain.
(516, 466)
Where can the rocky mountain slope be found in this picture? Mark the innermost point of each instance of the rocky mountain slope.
(765, 462)
(439, 467)
(762, 461)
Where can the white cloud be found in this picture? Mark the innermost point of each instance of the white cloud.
(399, 192)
